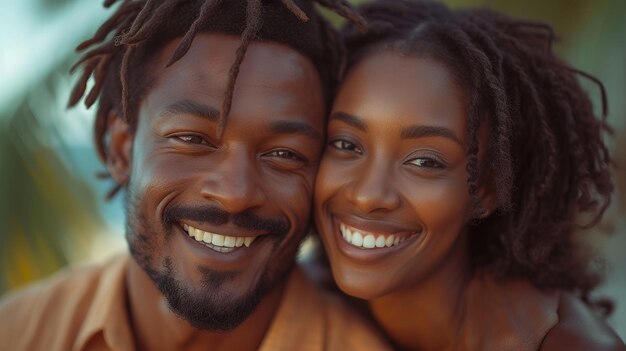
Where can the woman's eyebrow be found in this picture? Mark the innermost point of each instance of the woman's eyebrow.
(421, 131)
(354, 121)
(412, 132)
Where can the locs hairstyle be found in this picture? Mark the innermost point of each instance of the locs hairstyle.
(118, 55)
(545, 156)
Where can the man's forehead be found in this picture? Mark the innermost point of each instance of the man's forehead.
(274, 81)
(211, 56)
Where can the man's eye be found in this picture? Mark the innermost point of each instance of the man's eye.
(341, 144)
(191, 139)
(426, 162)
(286, 154)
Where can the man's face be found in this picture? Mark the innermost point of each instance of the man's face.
(216, 221)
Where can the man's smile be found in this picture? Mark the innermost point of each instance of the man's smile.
(218, 242)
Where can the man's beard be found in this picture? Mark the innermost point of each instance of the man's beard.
(207, 307)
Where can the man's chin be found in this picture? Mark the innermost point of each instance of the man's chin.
(212, 305)
(209, 312)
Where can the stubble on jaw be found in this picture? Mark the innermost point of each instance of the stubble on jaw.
(208, 308)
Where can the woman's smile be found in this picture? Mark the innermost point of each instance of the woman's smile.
(368, 240)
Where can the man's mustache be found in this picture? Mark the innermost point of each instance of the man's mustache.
(219, 216)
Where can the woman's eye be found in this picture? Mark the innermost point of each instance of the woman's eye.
(285, 154)
(426, 162)
(341, 144)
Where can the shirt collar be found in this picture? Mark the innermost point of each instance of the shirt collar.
(107, 316)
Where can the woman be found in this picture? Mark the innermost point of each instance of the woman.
(461, 151)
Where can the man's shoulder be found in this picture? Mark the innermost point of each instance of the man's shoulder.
(580, 329)
(54, 306)
(67, 285)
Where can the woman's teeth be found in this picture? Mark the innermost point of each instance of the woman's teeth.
(367, 240)
(218, 242)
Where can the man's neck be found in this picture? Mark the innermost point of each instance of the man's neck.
(156, 327)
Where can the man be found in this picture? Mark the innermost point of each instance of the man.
(211, 118)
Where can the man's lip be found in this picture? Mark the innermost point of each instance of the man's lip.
(223, 229)
(222, 243)
(238, 259)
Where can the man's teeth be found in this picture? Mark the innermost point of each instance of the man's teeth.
(219, 242)
(367, 240)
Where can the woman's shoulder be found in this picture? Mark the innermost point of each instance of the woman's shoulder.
(509, 314)
(579, 328)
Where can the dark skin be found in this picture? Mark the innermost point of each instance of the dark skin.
(394, 171)
(263, 163)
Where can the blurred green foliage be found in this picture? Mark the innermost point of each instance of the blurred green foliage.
(48, 213)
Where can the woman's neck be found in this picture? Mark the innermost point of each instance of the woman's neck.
(431, 314)
(467, 312)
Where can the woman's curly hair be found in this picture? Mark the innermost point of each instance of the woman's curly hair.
(545, 157)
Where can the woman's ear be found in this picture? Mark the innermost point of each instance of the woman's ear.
(488, 200)
(119, 153)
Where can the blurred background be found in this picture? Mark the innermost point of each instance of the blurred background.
(52, 207)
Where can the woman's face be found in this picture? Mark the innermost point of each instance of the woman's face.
(391, 198)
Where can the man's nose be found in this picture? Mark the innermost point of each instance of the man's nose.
(233, 181)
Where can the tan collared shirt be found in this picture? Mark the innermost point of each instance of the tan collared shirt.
(85, 309)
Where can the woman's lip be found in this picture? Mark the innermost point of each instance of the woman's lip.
(371, 255)
(375, 226)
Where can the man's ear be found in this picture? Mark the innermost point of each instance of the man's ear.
(119, 153)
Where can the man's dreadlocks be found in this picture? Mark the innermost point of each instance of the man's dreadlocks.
(118, 54)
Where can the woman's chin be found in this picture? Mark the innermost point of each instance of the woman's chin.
(360, 285)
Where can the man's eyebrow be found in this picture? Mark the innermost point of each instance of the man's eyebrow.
(354, 121)
(192, 108)
(291, 127)
(415, 132)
